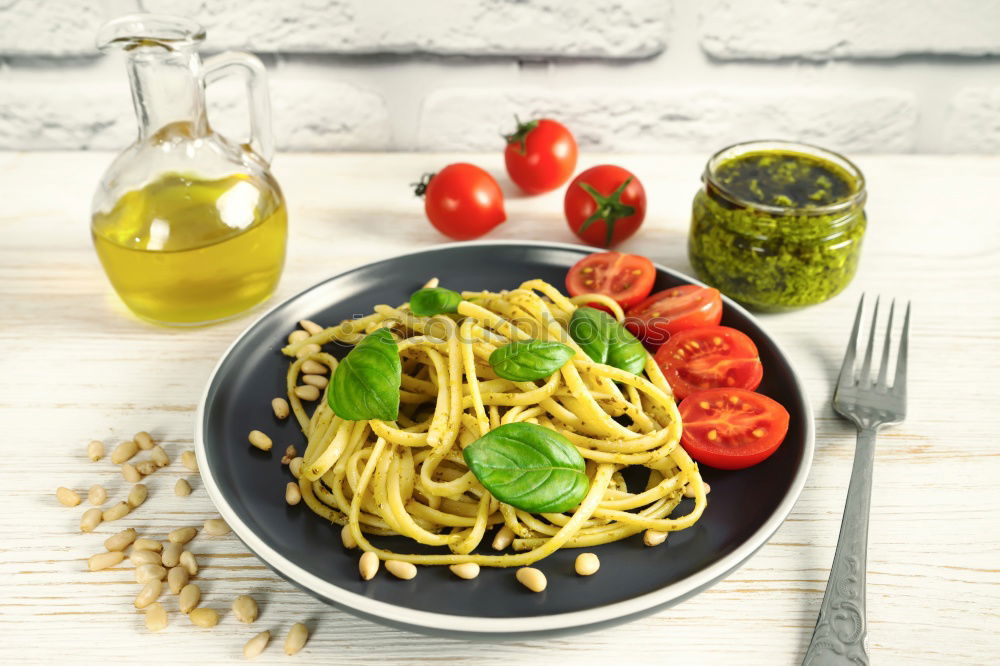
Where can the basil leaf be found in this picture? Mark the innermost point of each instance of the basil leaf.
(604, 340)
(527, 360)
(366, 383)
(529, 467)
(434, 301)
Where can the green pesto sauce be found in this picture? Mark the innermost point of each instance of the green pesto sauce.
(776, 261)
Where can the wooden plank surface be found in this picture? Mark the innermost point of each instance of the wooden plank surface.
(76, 366)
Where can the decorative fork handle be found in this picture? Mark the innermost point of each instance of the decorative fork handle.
(839, 636)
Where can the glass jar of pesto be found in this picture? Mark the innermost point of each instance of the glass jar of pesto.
(778, 225)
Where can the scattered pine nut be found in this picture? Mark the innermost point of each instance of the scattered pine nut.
(216, 527)
(310, 327)
(654, 537)
(347, 537)
(140, 557)
(121, 540)
(307, 350)
(143, 439)
(400, 569)
(503, 538)
(124, 452)
(466, 570)
(177, 578)
(188, 562)
(137, 495)
(67, 497)
(260, 440)
(280, 408)
(182, 488)
(91, 519)
(587, 564)
(130, 473)
(149, 593)
(143, 543)
(319, 381)
(292, 493)
(256, 645)
(312, 367)
(146, 467)
(689, 489)
(290, 454)
(368, 565)
(97, 495)
(105, 560)
(307, 392)
(172, 554)
(159, 456)
(189, 598)
(245, 609)
(119, 510)
(531, 578)
(95, 450)
(296, 638)
(204, 617)
(156, 616)
(147, 572)
(297, 336)
(189, 460)
(295, 466)
(182, 535)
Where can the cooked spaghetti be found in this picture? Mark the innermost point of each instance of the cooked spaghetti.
(408, 477)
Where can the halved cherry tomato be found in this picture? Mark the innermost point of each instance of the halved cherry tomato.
(540, 155)
(730, 428)
(709, 357)
(604, 205)
(666, 312)
(627, 278)
(462, 200)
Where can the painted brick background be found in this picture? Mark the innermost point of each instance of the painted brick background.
(641, 75)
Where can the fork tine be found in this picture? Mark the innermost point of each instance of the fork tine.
(899, 383)
(883, 368)
(847, 368)
(865, 378)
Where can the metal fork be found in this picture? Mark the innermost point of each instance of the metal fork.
(840, 633)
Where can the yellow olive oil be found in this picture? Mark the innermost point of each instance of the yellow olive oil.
(187, 251)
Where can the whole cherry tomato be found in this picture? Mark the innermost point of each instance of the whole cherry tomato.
(540, 155)
(604, 205)
(462, 201)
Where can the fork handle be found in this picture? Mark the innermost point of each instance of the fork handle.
(839, 636)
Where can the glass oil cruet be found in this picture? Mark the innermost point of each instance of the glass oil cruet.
(189, 225)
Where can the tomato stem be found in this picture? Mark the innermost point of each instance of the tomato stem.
(609, 208)
(420, 187)
(520, 135)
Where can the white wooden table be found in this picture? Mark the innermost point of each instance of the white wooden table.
(74, 366)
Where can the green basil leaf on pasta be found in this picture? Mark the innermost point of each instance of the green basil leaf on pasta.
(624, 350)
(434, 301)
(529, 467)
(604, 340)
(527, 360)
(366, 383)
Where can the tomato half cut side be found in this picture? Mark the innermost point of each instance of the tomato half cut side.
(627, 278)
(666, 312)
(696, 359)
(730, 428)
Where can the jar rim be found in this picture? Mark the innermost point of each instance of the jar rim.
(163, 30)
(857, 197)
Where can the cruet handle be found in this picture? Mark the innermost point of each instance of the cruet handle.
(219, 66)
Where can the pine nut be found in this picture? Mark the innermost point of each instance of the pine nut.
(189, 460)
(172, 554)
(95, 450)
(216, 527)
(400, 569)
(297, 336)
(130, 473)
(156, 616)
(105, 560)
(67, 497)
(531, 578)
(189, 598)
(260, 440)
(319, 381)
(124, 452)
(121, 540)
(503, 538)
(245, 609)
(587, 564)
(347, 537)
(91, 519)
(182, 535)
(689, 489)
(159, 456)
(204, 617)
(280, 408)
(368, 565)
(296, 638)
(466, 570)
(97, 495)
(182, 488)
(292, 493)
(307, 350)
(188, 562)
(307, 392)
(119, 510)
(654, 538)
(138, 495)
(256, 645)
(149, 593)
(140, 557)
(143, 543)
(147, 572)
(708, 488)
(295, 466)
(177, 578)
(312, 367)
(310, 327)
(146, 467)
(143, 439)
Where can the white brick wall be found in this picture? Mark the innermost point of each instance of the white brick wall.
(645, 75)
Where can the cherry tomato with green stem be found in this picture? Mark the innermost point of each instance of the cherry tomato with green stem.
(540, 155)
(604, 205)
(462, 201)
